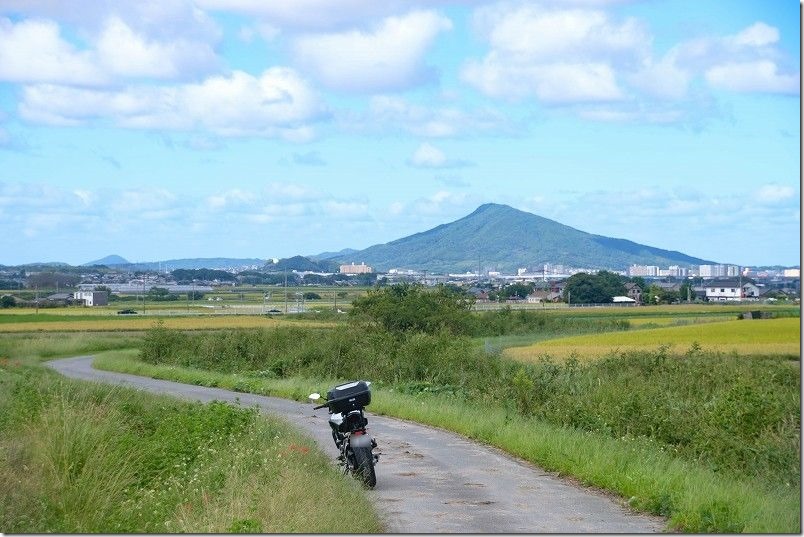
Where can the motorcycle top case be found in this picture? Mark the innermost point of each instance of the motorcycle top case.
(349, 396)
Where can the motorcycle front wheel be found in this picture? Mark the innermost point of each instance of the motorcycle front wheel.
(364, 467)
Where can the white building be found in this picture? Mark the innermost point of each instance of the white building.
(730, 290)
(92, 298)
(718, 271)
(351, 268)
(643, 270)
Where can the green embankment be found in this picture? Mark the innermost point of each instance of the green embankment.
(83, 458)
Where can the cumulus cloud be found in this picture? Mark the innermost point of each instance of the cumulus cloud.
(555, 55)
(388, 57)
(152, 43)
(34, 51)
(277, 103)
(748, 61)
(578, 54)
(123, 52)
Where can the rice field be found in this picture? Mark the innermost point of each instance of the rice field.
(743, 337)
(69, 323)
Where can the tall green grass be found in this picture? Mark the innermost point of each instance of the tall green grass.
(50, 345)
(82, 458)
(737, 415)
(649, 476)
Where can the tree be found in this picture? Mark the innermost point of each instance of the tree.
(518, 290)
(600, 288)
(312, 296)
(412, 307)
(160, 293)
(108, 290)
(7, 301)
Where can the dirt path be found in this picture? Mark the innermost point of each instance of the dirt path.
(429, 480)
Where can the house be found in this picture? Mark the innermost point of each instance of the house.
(729, 290)
(92, 298)
(543, 295)
(634, 292)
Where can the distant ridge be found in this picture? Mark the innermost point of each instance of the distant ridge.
(173, 264)
(109, 260)
(199, 263)
(502, 238)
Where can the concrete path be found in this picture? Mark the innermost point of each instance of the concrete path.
(430, 480)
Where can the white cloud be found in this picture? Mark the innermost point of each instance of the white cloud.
(124, 52)
(774, 193)
(748, 61)
(758, 34)
(34, 51)
(758, 76)
(428, 156)
(277, 103)
(389, 57)
(554, 55)
(110, 40)
(235, 197)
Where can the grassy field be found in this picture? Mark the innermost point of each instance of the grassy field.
(95, 323)
(746, 337)
(83, 458)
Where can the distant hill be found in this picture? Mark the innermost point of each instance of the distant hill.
(302, 264)
(332, 255)
(199, 263)
(109, 260)
(499, 237)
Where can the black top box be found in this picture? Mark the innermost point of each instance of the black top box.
(350, 396)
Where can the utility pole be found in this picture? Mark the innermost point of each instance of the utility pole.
(286, 291)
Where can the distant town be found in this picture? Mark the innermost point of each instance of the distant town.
(62, 285)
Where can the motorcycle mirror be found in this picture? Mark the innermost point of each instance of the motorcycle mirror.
(314, 397)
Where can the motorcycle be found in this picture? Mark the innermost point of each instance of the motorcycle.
(345, 403)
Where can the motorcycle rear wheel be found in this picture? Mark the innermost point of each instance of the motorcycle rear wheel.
(364, 467)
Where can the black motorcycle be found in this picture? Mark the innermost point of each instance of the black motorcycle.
(346, 403)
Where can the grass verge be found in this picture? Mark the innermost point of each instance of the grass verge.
(694, 498)
(77, 457)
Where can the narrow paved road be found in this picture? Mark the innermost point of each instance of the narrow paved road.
(429, 480)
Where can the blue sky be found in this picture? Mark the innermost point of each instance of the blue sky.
(245, 128)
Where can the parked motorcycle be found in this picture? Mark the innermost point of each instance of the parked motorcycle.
(346, 403)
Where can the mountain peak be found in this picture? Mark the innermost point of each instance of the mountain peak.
(500, 237)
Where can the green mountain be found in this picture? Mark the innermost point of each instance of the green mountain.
(499, 237)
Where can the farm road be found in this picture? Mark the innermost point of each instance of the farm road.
(429, 480)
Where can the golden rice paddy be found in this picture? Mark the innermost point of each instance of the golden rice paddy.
(744, 337)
